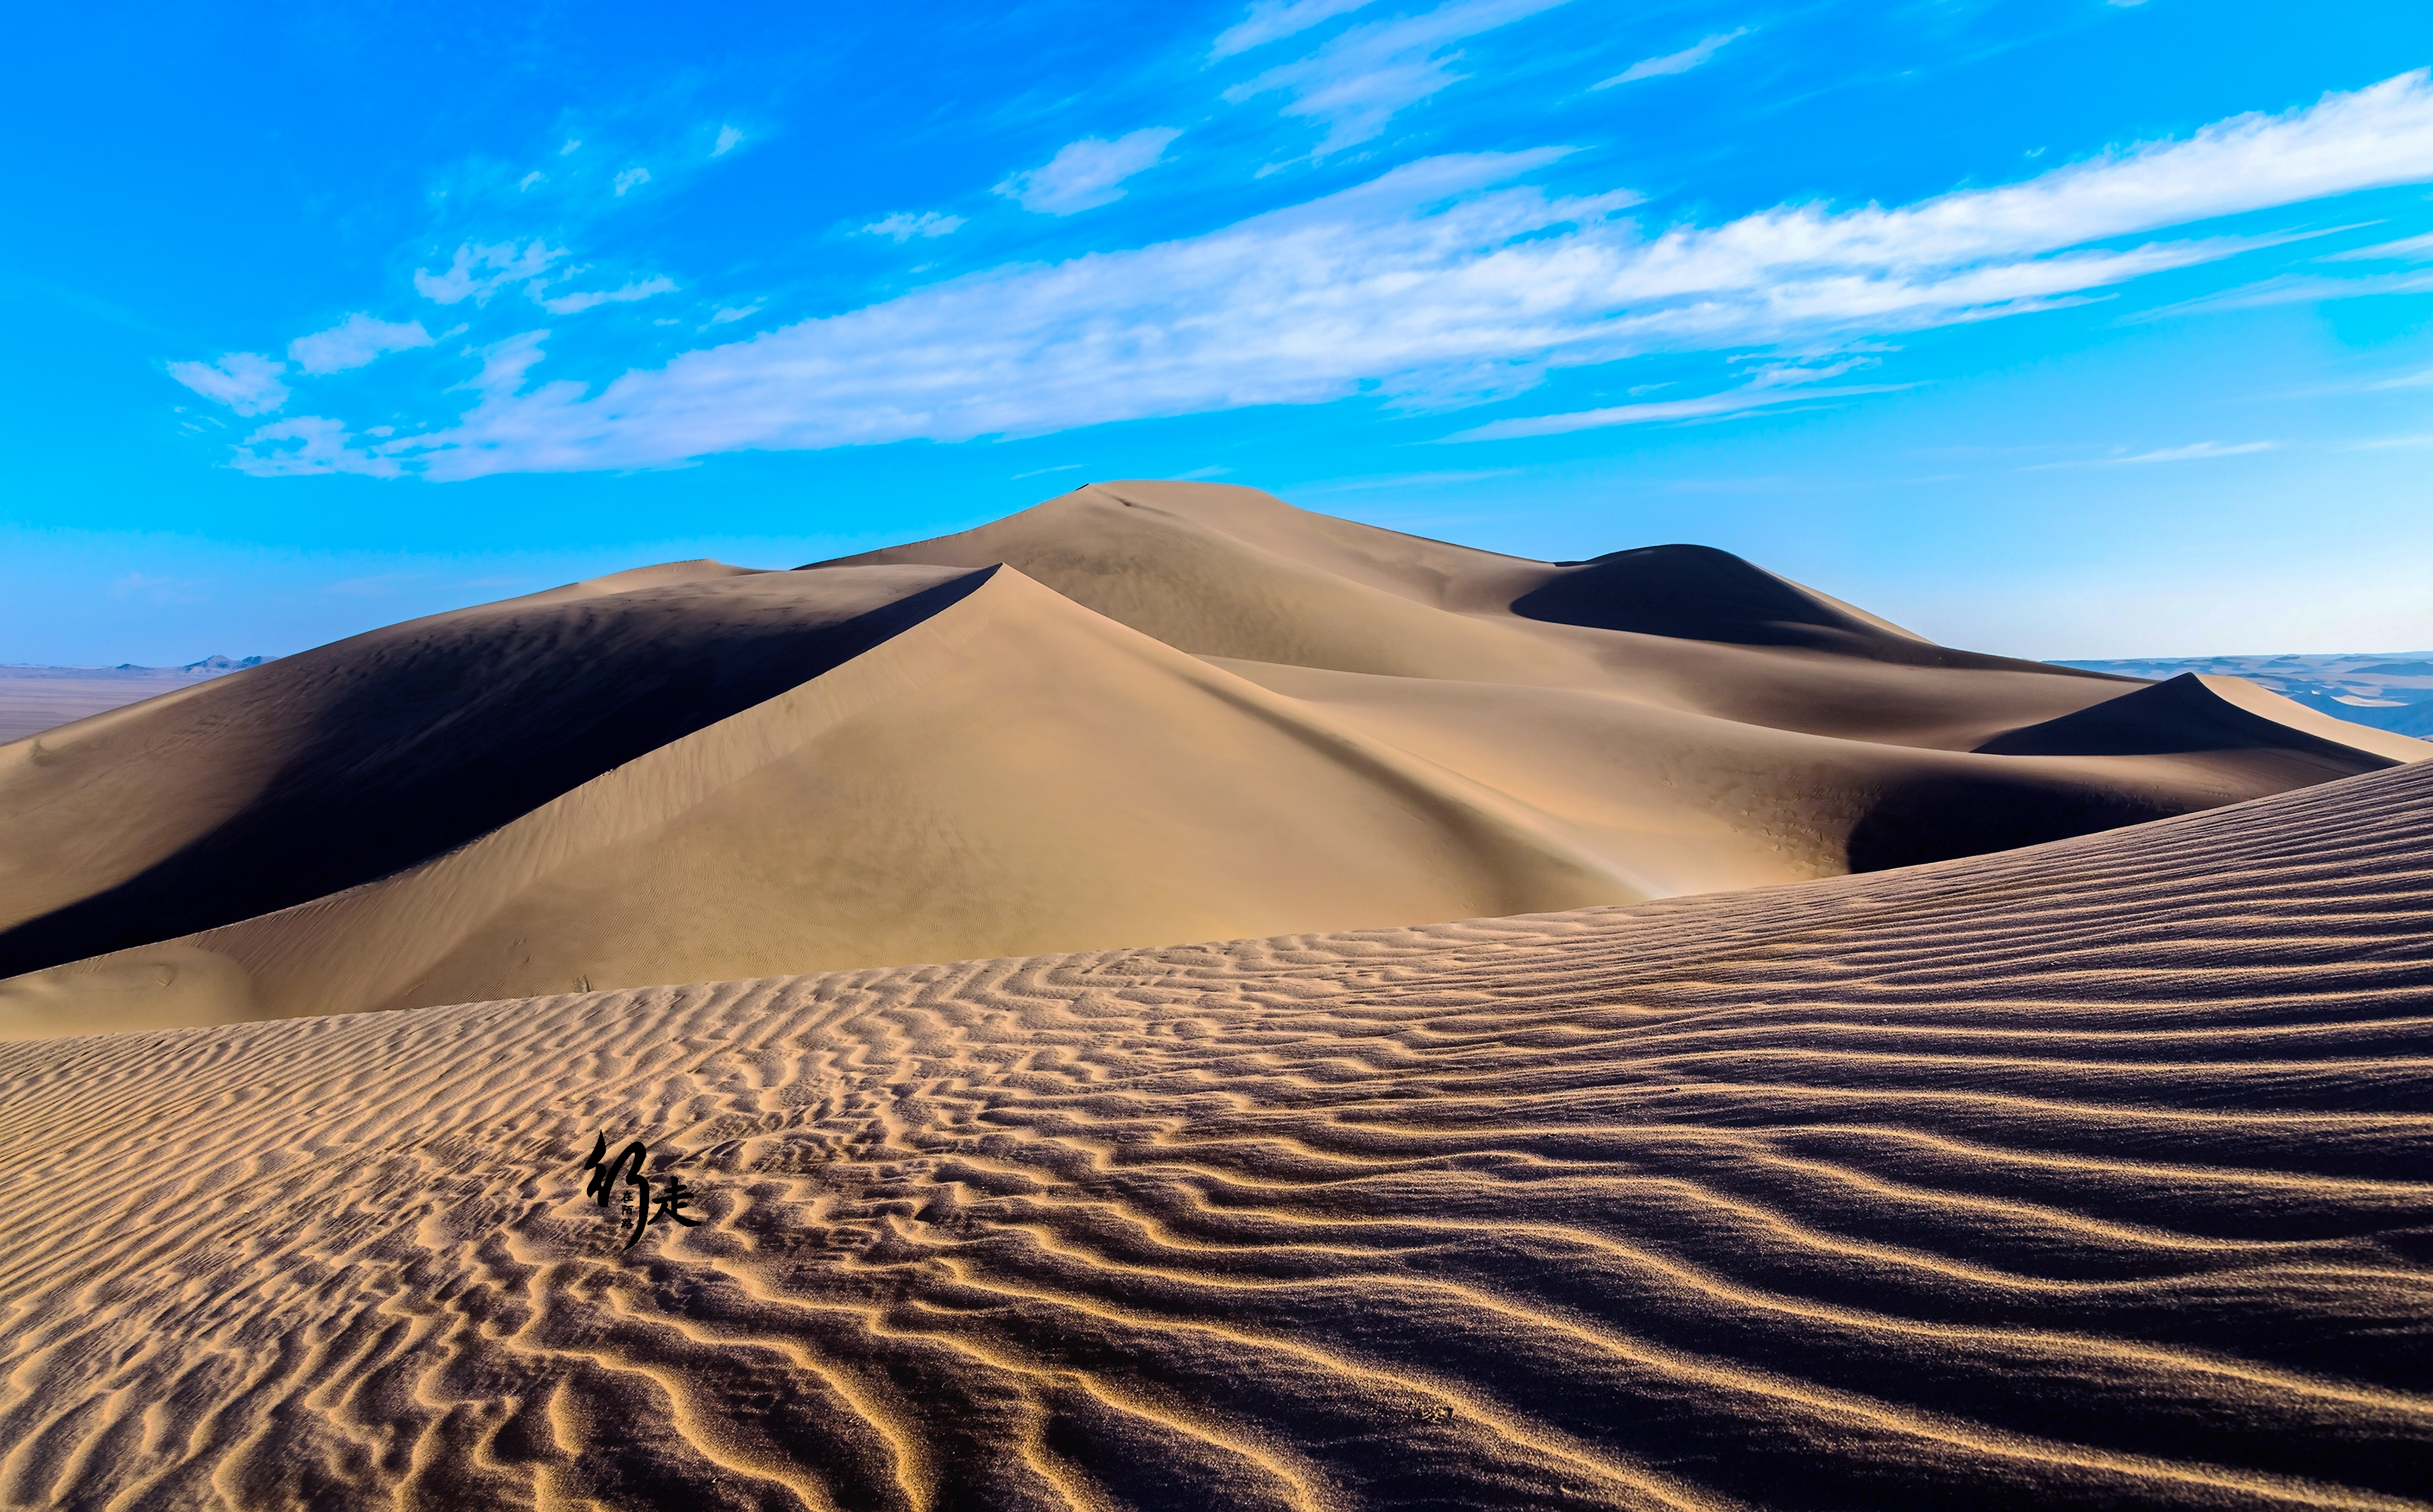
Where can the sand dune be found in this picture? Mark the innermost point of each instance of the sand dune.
(34, 699)
(2087, 1176)
(288, 781)
(1175, 711)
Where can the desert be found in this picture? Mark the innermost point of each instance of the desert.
(1256, 755)
(1659, 1036)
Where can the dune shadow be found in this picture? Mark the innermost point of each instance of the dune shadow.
(2176, 718)
(437, 741)
(1943, 817)
(1701, 594)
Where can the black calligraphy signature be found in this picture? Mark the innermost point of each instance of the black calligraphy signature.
(628, 1164)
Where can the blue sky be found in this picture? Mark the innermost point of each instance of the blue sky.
(2073, 329)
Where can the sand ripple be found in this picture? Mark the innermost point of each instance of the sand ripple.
(2089, 1176)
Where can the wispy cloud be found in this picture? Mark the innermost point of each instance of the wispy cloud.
(904, 225)
(1086, 174)
(567, 305)
(1274, 20)
(2417, 380)
(1744, 400)
(2195, 451)
(2407, 249)
(1440, 267)
(354, 342)
(481, 269)
(630, 180)
(1361, 78)
(309, 445)
(728, 139)
(2292, 288)
(245, 381)
(1680, 62)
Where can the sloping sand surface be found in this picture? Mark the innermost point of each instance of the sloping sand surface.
(1182, 711)
(34, 699)
(1013, 771)
(280, 784)
(2092, 1174)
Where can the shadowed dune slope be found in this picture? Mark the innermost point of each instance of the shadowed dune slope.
(2088, 1176)
(288, 781)
(2193, 712)
(1230, 718)
(1232, 572)
(1015, 773)
(1012, 773)
(1699, 593)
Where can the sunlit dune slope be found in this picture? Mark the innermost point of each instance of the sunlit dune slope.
(1013, 773)
(1232, 572)
(280, 784)
(2087, 1176)
(1229, 718)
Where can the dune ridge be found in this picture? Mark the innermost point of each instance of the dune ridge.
(1140, 712)
(2089, 1175)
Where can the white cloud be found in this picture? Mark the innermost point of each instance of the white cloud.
(2196, 452)
(632, 179)
(2407, 249)
(1086, 174)
(354, 342)
(480, 269)
(568, 150)
(1363, 76)
(2292, 288)
(1273, 20)
(1744, 400)
(245, 381)
(306, 446)
(525, 183)
(567, 304)
(728, 139)
(904, 225)
(1680, 62)
(733, 313)
(1440, 267)
(2420, 380)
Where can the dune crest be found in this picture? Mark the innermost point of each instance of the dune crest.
(1137, 713)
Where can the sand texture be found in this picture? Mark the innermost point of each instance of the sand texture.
(33, 699)
(2093, 1175)
(1141, 712)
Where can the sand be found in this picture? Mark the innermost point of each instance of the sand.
(34, 699)
(1138, 713)
(2091, 1175)
(1666, 1037)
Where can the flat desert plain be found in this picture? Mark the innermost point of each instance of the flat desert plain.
(1856, 1073)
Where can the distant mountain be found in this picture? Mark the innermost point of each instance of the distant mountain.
(2388, 690)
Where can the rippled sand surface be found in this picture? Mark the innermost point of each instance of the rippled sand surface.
(2091, 1175)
